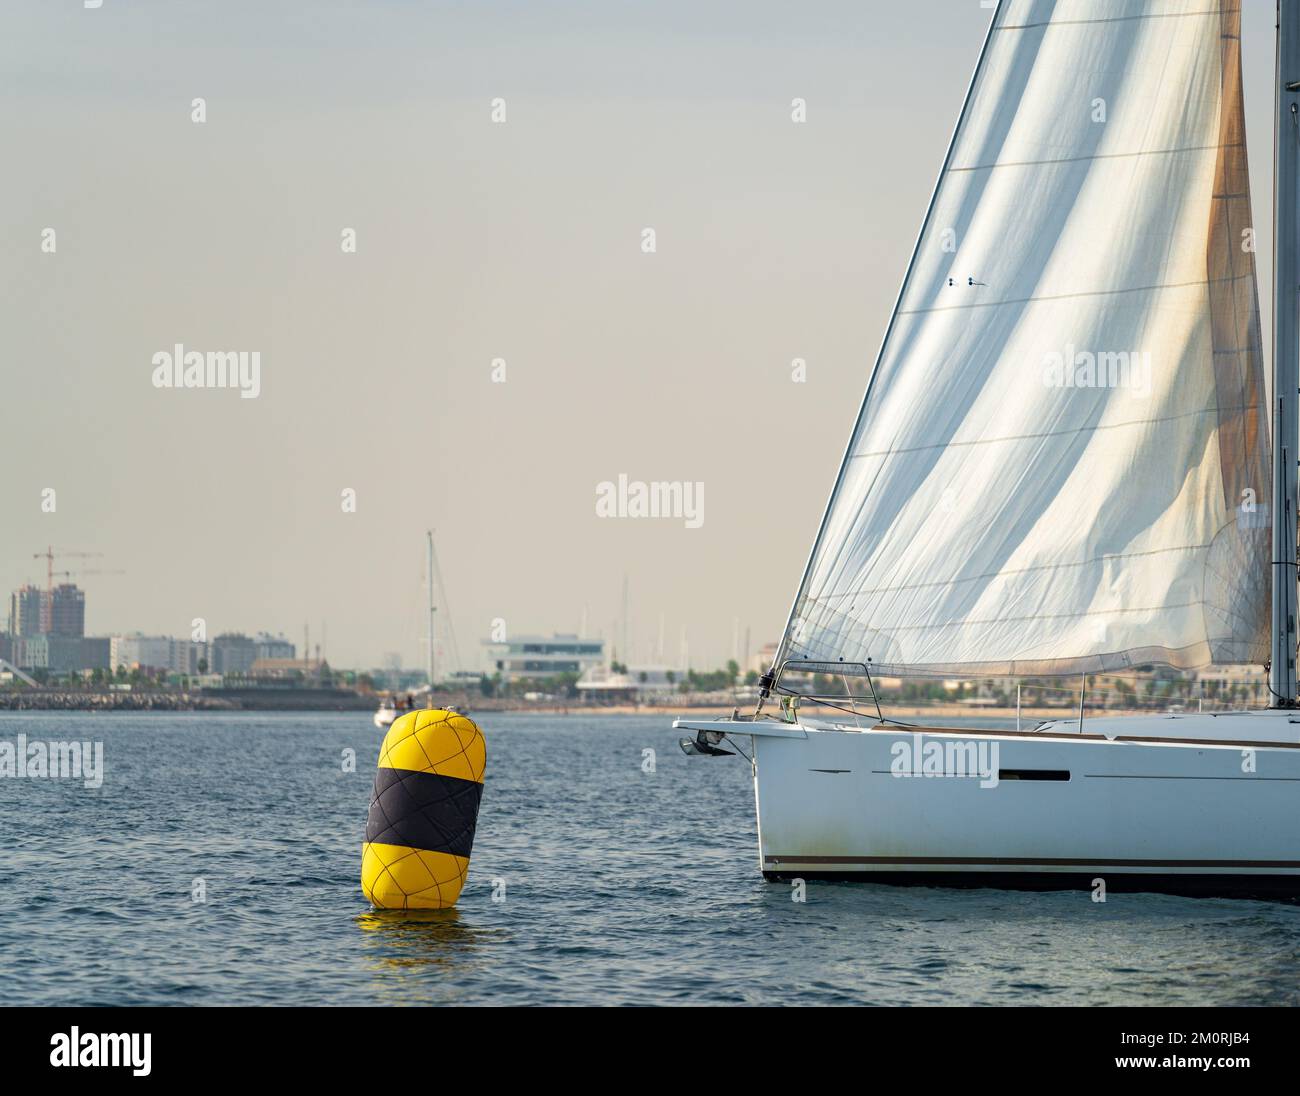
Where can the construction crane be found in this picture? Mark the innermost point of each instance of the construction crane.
(48, 556)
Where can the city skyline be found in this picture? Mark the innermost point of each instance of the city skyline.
(59, 612)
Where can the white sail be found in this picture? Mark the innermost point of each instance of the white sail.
(1061, 462)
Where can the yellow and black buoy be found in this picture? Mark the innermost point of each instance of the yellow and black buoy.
(423, 811)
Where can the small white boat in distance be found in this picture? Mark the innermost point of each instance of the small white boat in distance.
(1061, 467)
(390, 707)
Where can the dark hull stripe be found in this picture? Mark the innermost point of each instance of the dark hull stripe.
(424, 811)
(1194, 886)
(1032, 861)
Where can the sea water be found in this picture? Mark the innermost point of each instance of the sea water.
(218, 863)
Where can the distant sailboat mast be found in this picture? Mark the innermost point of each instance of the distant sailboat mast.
(432, 610)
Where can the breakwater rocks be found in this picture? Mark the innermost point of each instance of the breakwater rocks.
(57, 700)
(293, 699)
(267, 699)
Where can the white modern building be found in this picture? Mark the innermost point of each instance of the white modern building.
(533, 657)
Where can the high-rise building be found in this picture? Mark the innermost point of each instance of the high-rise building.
(26, 611)
(67, 611)
(232, 653)
(58, 612)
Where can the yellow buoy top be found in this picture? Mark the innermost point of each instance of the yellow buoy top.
(434, 741)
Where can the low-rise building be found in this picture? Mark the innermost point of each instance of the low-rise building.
(274, 647)
(656, 679)
(177, 656)
(61, 654)
(141, 652)
(601, 685)
(535, 658)
(286, 668)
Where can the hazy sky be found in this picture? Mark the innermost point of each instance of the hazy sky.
(475, 241)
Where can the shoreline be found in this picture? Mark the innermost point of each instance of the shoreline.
(337, 701)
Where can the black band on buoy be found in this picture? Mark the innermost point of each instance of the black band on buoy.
(424, 811)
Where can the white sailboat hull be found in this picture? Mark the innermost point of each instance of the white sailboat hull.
(1182, 812)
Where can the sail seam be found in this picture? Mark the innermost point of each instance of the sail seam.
(1117, 19)
(1200, 282)
(1052, 433)
(965, 622)
(1108, 558)
(1096, 156)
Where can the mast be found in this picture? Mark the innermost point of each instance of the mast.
(1286, 353)
(429, 562)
